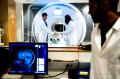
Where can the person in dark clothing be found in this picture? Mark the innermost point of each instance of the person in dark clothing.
(5, 61)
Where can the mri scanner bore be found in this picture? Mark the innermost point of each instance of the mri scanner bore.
(56, 22)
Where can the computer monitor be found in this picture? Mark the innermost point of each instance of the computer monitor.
(29, 58)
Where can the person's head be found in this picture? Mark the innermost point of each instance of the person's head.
(44, 16)
(5, 61)
(99, 8)
(67, 19)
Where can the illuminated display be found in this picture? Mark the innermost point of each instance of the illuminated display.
(29, 58)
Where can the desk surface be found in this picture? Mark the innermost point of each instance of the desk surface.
(4, 46)
(61, 49)
(64, 49)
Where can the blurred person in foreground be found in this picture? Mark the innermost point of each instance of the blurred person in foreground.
(5, 61)
(105, 61)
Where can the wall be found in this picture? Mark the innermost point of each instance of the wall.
(4, 19)
(19, 22)
(70, 56)
(8, 19)
(11, 21)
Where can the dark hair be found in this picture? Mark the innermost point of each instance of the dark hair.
(5, 60)
(112, 3)
(44, 14)
(67, 19)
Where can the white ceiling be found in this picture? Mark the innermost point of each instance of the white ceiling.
(69, 1)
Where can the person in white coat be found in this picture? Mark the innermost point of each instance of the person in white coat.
(70, 31)
(45, 30)
(105, 61)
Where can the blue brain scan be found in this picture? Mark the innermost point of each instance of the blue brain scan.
(28, 58)
(24, 59)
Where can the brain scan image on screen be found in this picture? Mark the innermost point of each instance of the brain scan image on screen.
(24, 59)
(28, 58)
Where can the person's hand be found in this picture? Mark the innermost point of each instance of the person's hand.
(61, 33)
(56, 33)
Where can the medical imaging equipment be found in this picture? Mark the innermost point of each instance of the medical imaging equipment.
(29, 58)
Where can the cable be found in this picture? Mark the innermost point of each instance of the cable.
(67, 66)
(63, 71)
(49, 76)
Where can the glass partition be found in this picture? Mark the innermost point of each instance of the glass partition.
(56, 21)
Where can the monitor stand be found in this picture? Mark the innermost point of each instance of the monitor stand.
(36, 77)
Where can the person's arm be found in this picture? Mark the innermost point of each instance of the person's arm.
(46, 28)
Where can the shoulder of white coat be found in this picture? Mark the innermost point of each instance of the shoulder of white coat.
(41, 21)
(71, 23)
(117, 24)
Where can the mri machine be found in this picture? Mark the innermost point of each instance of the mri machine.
(56, 14)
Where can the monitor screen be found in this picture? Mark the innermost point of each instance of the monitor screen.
(29, 58)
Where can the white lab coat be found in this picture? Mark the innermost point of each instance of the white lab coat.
(105, 61)
(70, 32)
(44, 31)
